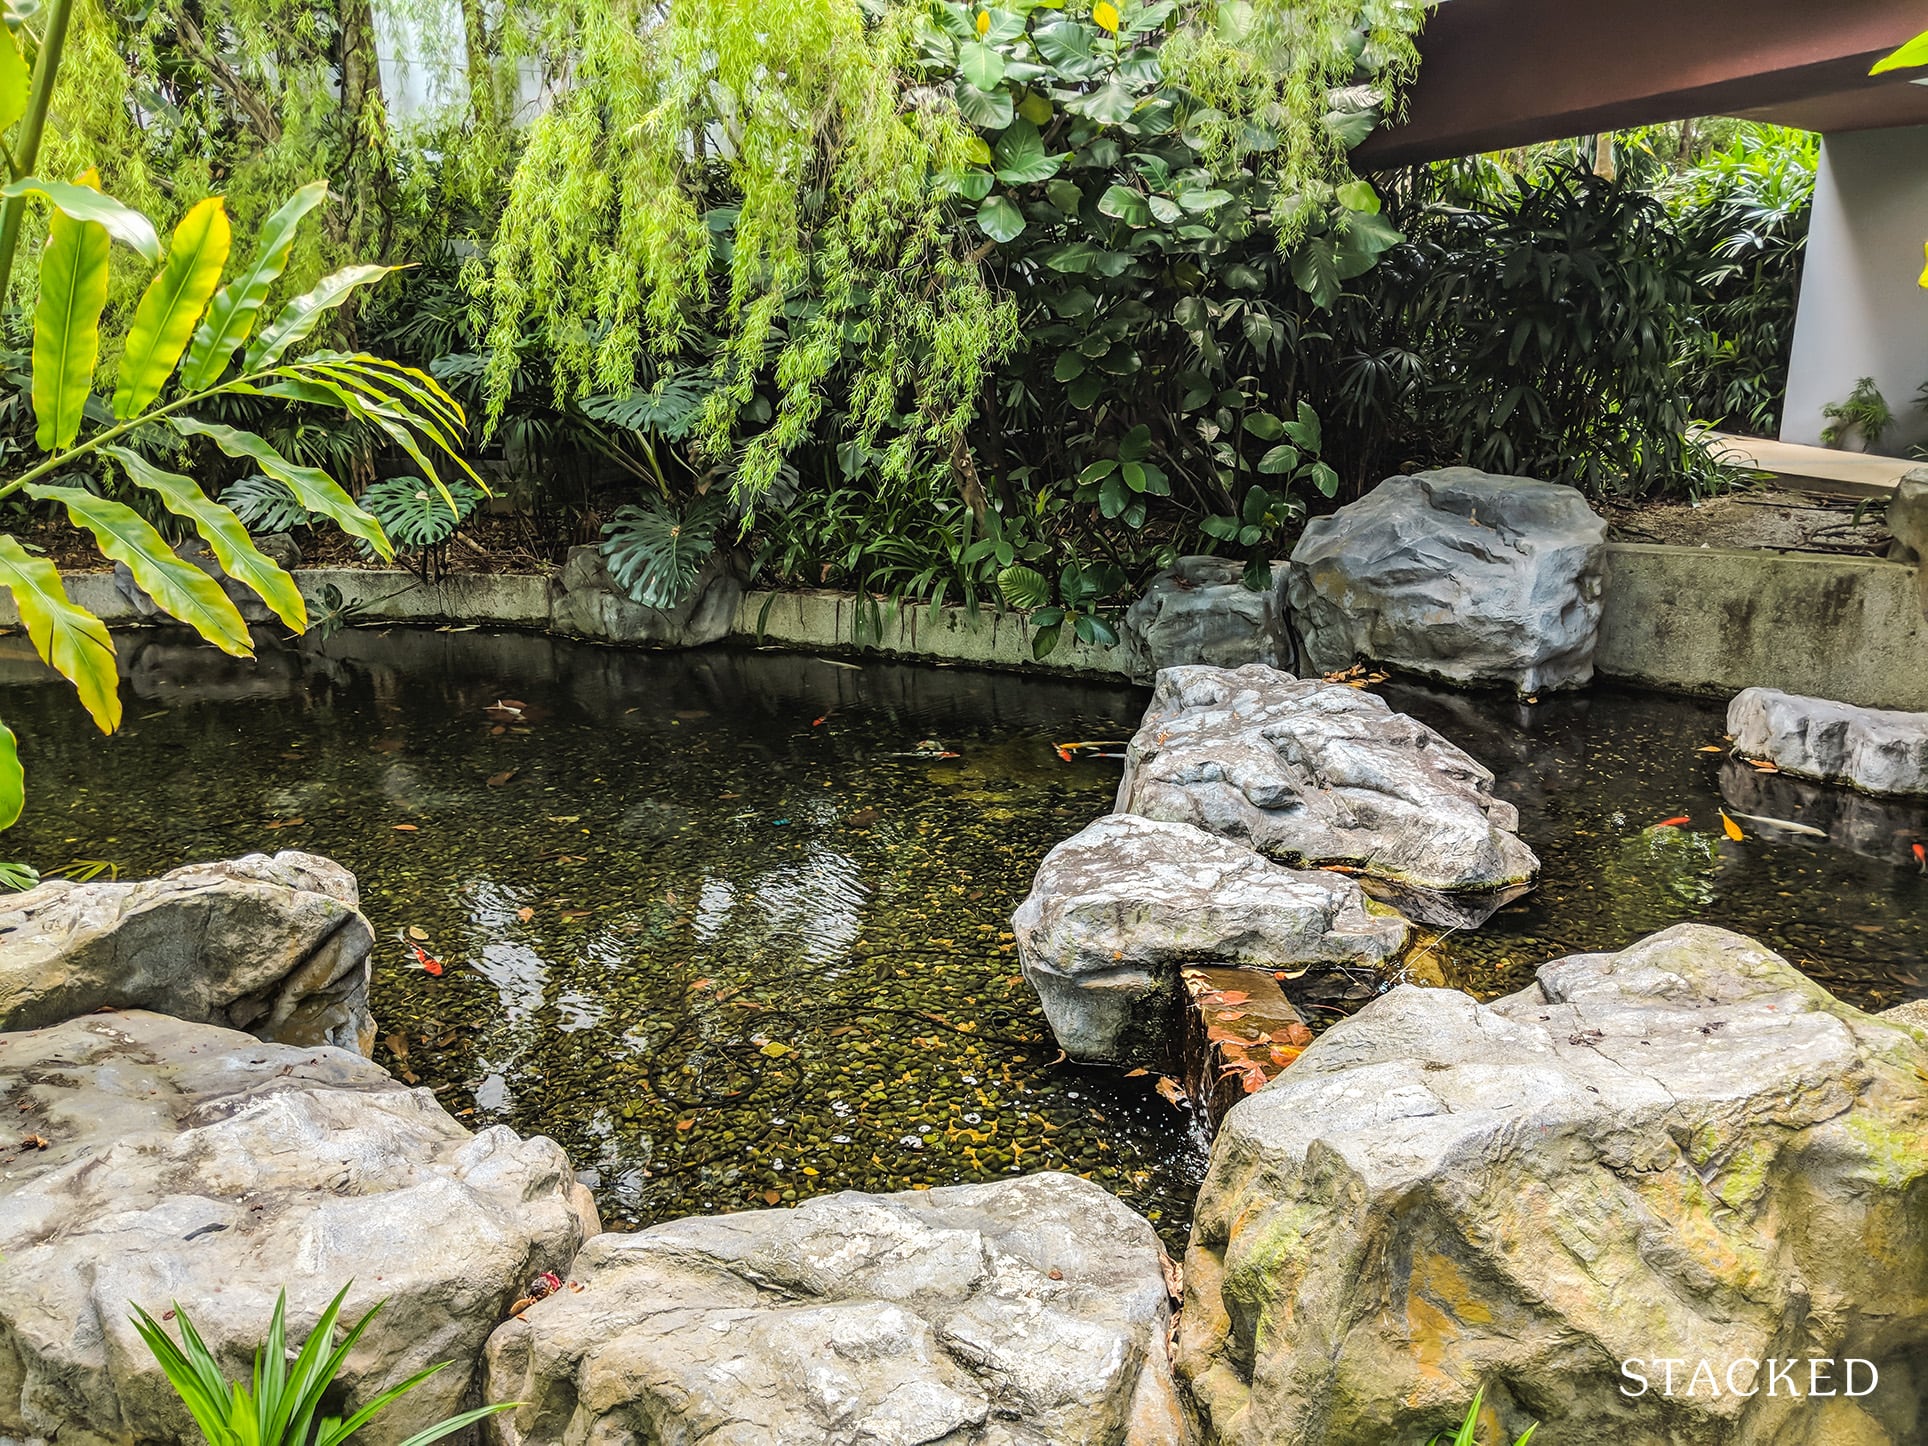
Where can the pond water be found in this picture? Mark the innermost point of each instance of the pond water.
(717, 924)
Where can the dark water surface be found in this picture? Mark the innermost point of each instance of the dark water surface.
(704, 923)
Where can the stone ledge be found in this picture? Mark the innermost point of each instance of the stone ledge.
(1681, 619)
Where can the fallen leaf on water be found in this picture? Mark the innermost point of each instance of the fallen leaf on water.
(35, 1142)
(686, 1124)
(1171, 1090)
(416, 931)
(1760, 765)
(397, 1045)
(775, 1050)
(525, 914)
(1713, 748)
(772, 1197)
(1730, 828)
(1230, 1016)
(1230, 996)
(1134, 1073)
(496, 780)
(408, 828)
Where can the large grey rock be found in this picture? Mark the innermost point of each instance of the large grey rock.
(588, 604)
(1028, 1312)
(1458, 575)
(1686, 1150)
(276, 946)
(1872, 749)
(1116, 910)
(1315, 773)
(1908, 521)
(188, 1163)
(1199, 610)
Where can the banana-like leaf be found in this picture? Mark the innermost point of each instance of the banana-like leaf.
(172, 304)
(379, 402)
(397, 424)
(223, 532)
(13, 780)
(74, 642)
(231, 316)
(422, 388)
(66, 327)
(180, 588)
(81, 200)
(313, 488)
(302, 315)
(15, 80)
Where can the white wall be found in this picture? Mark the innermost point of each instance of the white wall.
(1862, 313)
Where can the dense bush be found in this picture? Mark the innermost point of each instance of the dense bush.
(994, 303)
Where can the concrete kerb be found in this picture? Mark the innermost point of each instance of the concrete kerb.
(1682, 619)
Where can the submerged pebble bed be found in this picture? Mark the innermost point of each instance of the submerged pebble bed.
(722, 926)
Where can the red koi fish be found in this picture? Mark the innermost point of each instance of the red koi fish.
(430, 965)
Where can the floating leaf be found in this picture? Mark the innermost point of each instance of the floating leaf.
(1730, 828)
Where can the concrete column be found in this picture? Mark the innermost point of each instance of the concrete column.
(1862, 312)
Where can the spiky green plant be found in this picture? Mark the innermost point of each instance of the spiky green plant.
(281, 1406)
(1468, 1432)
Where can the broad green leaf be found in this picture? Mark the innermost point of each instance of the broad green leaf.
(980, 64)
(179, 587)
(313, 488)
(1315, 267)
(15, 80)
(1359, 196)
(1110, 104)
(1035, 108)
(972, 185)
(231, 316)
(1019, 155)
(1124, 204)
(1024, 587)
(81, 200)
(999, 219)
(171, 306)
(302, 315)
(66, 327)
(989, 110)
(1914, 53)
(74, 642)
(240, 559)
(13, 781)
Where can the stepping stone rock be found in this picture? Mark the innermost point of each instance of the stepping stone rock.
(276, 946)
(1026, 1312)
(1458, 575)
(182, 1162)
(1872, 749)
(1199, 610)
(1311, 773)
(1116, 910)
(1685, 1150)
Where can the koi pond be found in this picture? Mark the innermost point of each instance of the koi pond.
(732, 926)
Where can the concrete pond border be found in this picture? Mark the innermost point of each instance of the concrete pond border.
(1680, 619)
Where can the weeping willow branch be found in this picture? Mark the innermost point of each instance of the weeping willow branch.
(757, 171)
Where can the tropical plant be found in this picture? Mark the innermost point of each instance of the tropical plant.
(282, 1403)
(1468, 1432)
(265, 505)
(1864, 417)
(191, 341)
(654, 552)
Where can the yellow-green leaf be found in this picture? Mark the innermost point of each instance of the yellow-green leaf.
(81, 199)
(15, 79)
(13, 780)
(302, 315)
(1914, 53)
(240, 559)
(231, 316)
(172, 304)
(66, 327)
(72, 640)
(313, 488)
(180, 588)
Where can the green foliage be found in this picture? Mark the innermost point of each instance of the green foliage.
(1742, 215)
(1468, 1432)
(408, 405)
(281, 1404)
(419, 514)
(654, 552)
(1864, 417)
(265, 505)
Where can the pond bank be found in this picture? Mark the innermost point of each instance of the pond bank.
(1679, 619)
